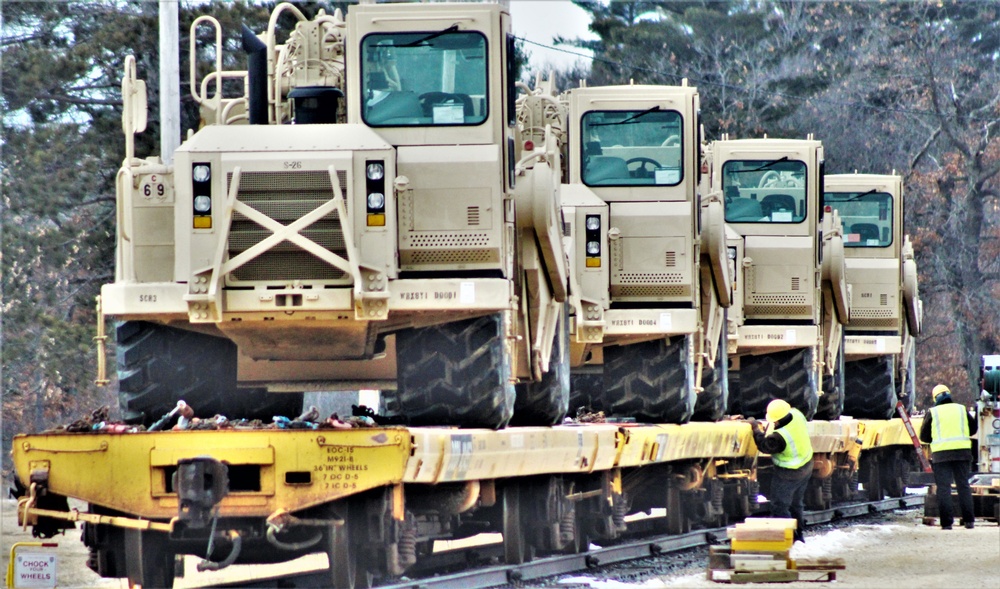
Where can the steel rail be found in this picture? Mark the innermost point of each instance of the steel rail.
(498, 575)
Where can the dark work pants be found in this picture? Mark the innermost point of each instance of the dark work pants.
(788, 495)
(944, 474)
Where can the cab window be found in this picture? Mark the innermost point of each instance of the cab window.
(765, 191)
(866, 216)
(632, 148)
(434, 78)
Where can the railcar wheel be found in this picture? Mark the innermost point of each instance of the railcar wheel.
(650, 381)
(546, 402)
(788, 375)
(714, 396)
(677, 521)
(895, 473)
(342, 548)
(160, 365)
(871, 388)
(148, 559)
(455, 374)
(515, 547)
(830, 405)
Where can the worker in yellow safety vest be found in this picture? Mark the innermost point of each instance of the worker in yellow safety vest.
(791, 453)
(948, 427)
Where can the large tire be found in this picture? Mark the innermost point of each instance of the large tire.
(908, 396)
(787, 375)
(585, 389)
(652, 382)
(831, 404)
(546, 402)
(870, 388)
(454, 374)
(160, 365)
(735, 405)
(713, 400)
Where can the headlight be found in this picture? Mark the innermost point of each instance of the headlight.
(593, 248)
(593, 222)
(732, 253)
(375, 171)
(376, 200)
(202, 204)
(201, 173)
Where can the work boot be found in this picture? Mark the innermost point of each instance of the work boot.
(946, 526)
(969, 524)
(799, 536)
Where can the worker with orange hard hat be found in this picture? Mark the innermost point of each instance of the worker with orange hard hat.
(791, 453)
(948, 427)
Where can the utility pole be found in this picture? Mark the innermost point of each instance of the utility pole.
(170, 81)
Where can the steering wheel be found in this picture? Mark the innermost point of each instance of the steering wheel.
(641, 171)
(769, 177)
(671, 141)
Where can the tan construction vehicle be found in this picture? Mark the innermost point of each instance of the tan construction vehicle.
(791, 299)
(361, 216)
(647, 257)
(879, 340)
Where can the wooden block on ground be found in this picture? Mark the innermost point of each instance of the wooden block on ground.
(765, 577)
(820, 563)
(756, 564)
(821, 576)
(765, 534)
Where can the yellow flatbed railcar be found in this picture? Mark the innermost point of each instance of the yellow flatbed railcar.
(266, 495)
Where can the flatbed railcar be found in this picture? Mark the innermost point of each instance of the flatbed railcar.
(375, 499)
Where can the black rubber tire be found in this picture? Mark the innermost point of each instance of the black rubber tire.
(735, 405)
(908, 397)
(160, 365)
(652, 382)
(546, 402)
(830, 405)
(870, 388)
(585, 389)
(784, 375)
(454, 374)
(713, 400)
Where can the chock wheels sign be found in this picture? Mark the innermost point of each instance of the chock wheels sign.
(32, 565)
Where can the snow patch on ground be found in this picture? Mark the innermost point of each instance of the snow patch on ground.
(828, 544)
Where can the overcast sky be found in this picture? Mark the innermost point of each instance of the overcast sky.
(541, 20)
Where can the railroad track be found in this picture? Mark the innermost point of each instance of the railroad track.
(480, 570)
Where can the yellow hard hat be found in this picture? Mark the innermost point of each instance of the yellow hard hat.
(940, 390)
(777, 409)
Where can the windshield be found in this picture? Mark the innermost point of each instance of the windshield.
(424, 79)
(765, 191)
(867, 217)
(632, 148)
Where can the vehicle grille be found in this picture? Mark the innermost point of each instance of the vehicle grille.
(286, 197)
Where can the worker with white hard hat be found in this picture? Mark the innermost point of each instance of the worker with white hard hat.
(791, 453)
(948, 427)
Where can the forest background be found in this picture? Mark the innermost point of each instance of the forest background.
(907, 86)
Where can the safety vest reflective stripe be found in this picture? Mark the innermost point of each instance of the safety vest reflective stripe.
(949, 428)
(798, 447)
